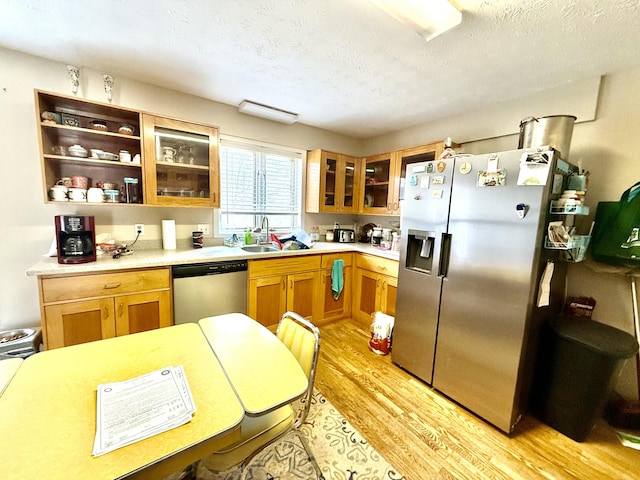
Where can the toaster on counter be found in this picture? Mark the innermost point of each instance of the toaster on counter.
(344, 235)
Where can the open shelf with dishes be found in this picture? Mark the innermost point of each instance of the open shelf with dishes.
(96, 142)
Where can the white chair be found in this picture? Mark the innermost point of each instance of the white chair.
(302, 338)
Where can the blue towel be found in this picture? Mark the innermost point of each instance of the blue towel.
(337, 279)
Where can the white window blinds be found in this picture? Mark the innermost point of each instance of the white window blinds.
(258, 180)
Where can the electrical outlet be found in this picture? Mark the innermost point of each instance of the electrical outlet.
(139, 228)
(205, 228)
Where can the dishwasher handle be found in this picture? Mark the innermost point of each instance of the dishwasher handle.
(209, 268)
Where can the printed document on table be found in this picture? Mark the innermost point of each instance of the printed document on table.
(141, 407)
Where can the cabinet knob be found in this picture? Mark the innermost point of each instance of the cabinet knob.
(111, 285)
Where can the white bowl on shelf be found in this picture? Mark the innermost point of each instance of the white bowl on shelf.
(77, 151)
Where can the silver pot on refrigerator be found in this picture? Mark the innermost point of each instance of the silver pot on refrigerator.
(554, 130)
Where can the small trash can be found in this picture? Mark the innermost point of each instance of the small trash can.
(580, 361)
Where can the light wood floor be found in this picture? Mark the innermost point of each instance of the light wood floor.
(424, 435)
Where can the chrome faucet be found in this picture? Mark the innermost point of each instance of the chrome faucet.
(262, 228)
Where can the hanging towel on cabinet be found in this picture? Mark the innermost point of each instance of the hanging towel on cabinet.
(337, 279)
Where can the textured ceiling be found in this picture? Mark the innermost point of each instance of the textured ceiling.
(342, 65)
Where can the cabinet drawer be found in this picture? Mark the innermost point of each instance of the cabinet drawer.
(283, 266)
(329, 258)
(104, 284)
(377, 264)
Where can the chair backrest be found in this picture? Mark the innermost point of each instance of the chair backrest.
(302, 338)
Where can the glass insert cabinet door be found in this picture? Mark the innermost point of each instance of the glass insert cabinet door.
(181, 162)
(349, 166)
(330, 182)
(340, 183)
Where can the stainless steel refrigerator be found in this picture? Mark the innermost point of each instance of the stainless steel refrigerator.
(472, 261)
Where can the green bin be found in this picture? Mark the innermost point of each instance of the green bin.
(580, 361)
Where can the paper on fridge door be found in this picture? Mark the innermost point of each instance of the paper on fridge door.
(545, 285)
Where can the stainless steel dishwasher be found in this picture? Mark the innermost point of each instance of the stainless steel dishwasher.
(206, 289)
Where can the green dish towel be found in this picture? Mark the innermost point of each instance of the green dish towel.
(337, 279)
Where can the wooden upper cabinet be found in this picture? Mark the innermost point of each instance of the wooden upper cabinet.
(377, 174)
(333, 182)
(164, 161)
(65, 121)
(384, 176)
(181, 163)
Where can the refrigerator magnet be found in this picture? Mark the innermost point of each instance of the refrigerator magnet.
(465, 168)
(441, 166)
(492, 179)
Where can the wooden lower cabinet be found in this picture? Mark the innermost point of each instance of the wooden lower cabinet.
(336, 308)
(278, 285)
(375, 287)
(304, 285)
(83, 308)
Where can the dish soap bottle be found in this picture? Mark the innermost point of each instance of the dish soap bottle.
(448, 151)
(247, 237)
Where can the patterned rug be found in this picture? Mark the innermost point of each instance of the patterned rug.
(336, 451)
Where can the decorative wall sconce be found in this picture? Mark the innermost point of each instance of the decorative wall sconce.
(74, 78)
(108, 86)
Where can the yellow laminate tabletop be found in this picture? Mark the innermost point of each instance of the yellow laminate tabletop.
(48, 410)
(262, 370)
(8, 369)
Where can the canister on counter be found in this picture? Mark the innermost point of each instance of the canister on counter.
(376, 236)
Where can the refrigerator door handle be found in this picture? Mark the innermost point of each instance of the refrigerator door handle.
(445, 254)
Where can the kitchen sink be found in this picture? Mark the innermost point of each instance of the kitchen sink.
(259, 248)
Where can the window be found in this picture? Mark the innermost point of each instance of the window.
(258, 180)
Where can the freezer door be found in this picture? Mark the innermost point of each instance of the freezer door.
(424, 222)
(489, 289)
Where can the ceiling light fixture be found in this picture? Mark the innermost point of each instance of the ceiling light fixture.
(429, 18)
(265, 111)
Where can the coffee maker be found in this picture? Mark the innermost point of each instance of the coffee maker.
(75, 238)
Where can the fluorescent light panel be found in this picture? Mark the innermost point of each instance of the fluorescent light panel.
(265, 111)
(429, 18)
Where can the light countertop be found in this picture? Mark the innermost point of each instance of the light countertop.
(149, 258)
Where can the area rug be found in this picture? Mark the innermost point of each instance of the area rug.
(326, 448)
